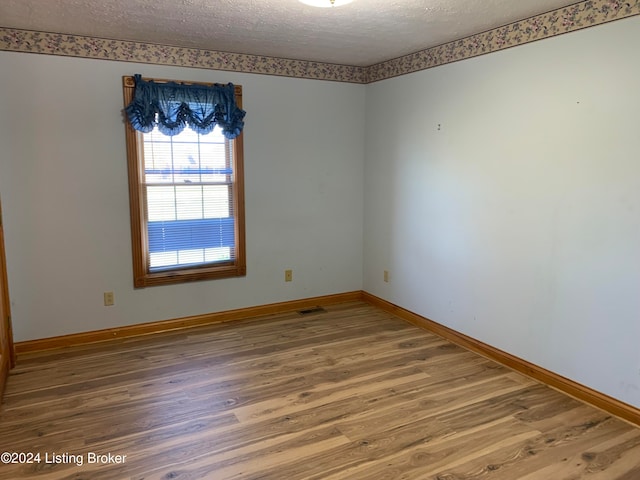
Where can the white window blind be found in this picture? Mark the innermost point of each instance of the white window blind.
(188, 187)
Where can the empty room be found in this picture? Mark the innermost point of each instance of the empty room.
(319, 239)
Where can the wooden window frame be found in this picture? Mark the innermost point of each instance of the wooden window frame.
(142, 277)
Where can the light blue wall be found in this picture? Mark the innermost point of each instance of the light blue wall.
(502, 193)
(63, 180)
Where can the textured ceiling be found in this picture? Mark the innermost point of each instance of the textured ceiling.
(362, 33)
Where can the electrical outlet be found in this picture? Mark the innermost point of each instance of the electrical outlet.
(386, 276)
(288, 275)
(108, 299)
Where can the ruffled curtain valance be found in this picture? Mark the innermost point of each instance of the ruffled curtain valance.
(171, 106)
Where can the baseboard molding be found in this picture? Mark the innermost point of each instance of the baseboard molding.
(593, 397)
(565, 385)
(83, 338)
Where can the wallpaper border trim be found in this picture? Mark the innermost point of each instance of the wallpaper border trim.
(556, 22)
(575, 17)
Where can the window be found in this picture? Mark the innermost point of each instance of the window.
(187, 203)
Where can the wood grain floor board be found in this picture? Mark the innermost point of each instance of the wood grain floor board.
(352, 393)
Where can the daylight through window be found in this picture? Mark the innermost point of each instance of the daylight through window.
(186, 204)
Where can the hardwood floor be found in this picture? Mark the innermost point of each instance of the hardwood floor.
(353, 393)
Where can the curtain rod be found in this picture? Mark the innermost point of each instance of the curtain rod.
(129, 81)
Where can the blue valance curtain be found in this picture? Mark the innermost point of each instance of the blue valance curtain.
(171, 106)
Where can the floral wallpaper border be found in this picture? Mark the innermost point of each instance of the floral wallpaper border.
(563, 20)
(556, 22)
(125, 51)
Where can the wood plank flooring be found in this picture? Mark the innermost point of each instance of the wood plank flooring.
(353, 393)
